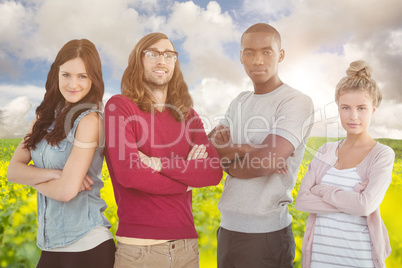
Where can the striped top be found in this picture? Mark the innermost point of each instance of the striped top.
(340, 239)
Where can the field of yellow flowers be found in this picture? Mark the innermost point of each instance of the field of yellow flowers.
(18, 212)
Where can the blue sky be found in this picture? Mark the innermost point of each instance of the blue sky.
(320, 40)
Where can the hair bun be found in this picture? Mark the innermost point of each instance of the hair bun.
(359, 68)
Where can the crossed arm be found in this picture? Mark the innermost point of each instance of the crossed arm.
(132, 168)
(247, 161)
(362, 201)
(61, 185)
(197, 152)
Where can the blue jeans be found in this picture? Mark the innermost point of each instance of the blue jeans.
(256, 250)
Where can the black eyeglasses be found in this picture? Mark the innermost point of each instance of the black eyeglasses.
(153, 55)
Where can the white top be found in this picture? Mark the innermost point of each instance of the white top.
(92, 239)
(139, 241)
(340, 239)
(260, 204)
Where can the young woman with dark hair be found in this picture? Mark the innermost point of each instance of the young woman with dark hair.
(65, 143)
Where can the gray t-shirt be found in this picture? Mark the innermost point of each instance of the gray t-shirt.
(260, 205)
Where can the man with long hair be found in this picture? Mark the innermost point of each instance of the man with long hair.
(156, 152)
(262, 129)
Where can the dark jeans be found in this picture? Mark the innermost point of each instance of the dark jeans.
(256, 250)
(101, 256)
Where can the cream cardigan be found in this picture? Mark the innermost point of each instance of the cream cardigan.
(376, 173)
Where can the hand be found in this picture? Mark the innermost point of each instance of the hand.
(283, 168)
(282, 171)
(222, 137)
(86, 184)
(152, 162)
(222, 133)
(198, 152)
(315, 190)
(225, 167)
(361, 186)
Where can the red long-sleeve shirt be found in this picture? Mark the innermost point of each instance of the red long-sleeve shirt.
(155, 205)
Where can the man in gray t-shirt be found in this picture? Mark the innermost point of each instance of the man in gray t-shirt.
(262, 129)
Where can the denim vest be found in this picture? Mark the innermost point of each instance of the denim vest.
(61, 223)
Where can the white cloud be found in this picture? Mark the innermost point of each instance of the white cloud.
(115, 27)
(14, 121)
(266, 9)
(386, 119)
(212, 98)
(17, 109)
(320, 41)
(37, 32)
(204, 33)
(14, 23)
(106, 97)
(9, 92)
(111, 25)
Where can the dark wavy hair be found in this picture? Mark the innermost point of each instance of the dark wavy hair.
(132, 84)
(54, 107)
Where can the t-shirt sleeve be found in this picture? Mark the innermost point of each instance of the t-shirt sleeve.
(294, 119)
(227, 121)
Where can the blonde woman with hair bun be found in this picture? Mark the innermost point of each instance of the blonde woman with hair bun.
(346, 182)
(359, 79)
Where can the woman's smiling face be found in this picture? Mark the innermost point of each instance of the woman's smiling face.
(74, 83)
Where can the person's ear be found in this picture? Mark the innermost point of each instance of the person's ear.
(241, 57)
(281, 55)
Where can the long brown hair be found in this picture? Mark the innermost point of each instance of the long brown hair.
(54, 108)
(178, 100)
